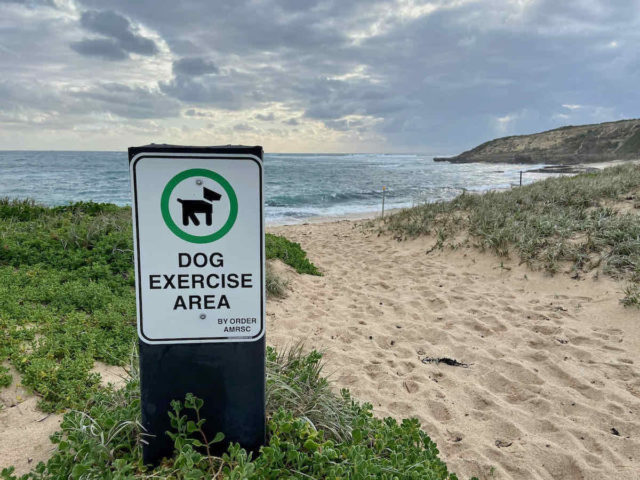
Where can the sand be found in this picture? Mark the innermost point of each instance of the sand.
(553, 386)
(25, 429)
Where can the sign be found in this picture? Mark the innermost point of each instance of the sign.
(199, 252)
(199, 261)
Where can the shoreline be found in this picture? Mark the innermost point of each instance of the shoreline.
(580, 167)
(370, 214)
(548, 364)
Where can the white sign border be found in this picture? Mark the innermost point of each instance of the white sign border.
(136, 245)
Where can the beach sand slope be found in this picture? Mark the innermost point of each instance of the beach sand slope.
(552, 390)
(25, 429)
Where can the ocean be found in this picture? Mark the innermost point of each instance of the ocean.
(297, 186)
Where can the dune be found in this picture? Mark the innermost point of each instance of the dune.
(550, 386)
(545, 383)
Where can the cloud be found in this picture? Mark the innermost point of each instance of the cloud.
(194, 66)
(192, 112)
(32, 3)
(100, 47)
(436, 76)
(128, 102)
(121, 37)
(243, 127)
(194, 91)
(503, 124)
(345, 124)
(270, 117)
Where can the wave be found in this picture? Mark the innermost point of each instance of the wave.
(320, 199)
(296, 185)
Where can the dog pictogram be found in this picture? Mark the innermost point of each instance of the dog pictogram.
(190, 208)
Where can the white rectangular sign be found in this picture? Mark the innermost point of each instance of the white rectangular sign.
(199, 247)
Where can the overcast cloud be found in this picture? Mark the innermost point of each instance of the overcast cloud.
(434, 76)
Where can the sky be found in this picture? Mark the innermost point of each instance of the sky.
(434, 77)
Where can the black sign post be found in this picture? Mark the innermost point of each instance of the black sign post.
(199, 253)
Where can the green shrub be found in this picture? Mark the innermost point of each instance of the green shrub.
(67, 294)
(5, 377)
(104, 441)
(88, 208)
(290, 253)
(20, 210)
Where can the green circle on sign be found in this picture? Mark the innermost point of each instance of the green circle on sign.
(199, 172)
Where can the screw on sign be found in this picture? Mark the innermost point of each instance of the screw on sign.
(199, 259)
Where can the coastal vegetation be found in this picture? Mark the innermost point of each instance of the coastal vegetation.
(312, 433)
(565, 145)
(67, 300)
(290, 253)
(589, 222)
(67, 294)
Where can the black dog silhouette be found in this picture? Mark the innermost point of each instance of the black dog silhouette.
(191, 207)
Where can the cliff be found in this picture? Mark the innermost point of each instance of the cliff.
(564, 146)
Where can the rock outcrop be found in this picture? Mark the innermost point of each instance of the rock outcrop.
(562, 146)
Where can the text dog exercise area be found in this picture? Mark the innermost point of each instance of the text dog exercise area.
(192, 281)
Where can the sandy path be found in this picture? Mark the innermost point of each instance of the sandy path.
(555, 361)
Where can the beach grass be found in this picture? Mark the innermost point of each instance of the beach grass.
(295, 383)
(275, 284)
(67, 295)
(566, 222)
(312, 433)
(632, 295)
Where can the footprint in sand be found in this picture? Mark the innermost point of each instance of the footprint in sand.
(439, 411)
